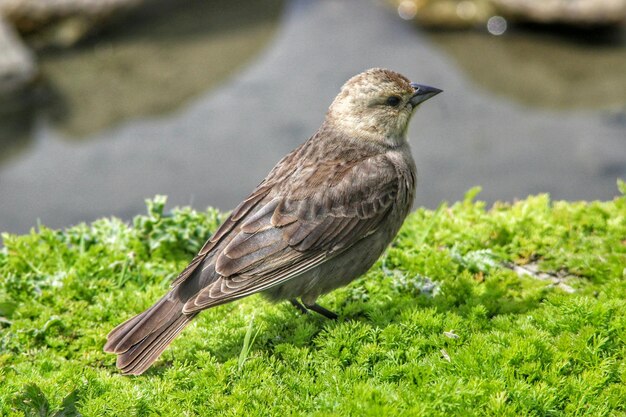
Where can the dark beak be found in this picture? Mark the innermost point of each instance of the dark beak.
(422, 93)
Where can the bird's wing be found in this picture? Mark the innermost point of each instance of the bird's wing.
(276, 235)
(238, 213)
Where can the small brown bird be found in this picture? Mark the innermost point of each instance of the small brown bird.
(320, 219)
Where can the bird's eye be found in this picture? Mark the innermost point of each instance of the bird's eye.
(393, 101)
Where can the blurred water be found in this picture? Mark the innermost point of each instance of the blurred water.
(216, 147)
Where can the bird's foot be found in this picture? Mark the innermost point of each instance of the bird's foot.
(304, 309)
(321, 310)
(299, 306)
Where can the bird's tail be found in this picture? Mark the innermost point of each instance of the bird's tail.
(139, 341)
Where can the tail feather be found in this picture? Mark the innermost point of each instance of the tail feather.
(139, 341)
(117, 333)
(140, 356)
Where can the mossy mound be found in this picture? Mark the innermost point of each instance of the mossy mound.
(514, 310)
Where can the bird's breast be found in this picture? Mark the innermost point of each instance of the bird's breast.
(406, 172)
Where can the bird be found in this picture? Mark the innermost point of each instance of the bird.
(320, 219)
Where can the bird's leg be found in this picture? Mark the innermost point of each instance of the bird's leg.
(299, 306)
(321, 310)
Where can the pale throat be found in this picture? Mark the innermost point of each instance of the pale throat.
(368, 127)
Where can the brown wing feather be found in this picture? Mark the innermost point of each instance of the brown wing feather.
(283, 236)
(240, 211)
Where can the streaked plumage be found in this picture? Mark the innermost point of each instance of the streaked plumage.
(321, 218)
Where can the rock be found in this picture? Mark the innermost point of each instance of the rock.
(46, 22)
(447, 14)
(569, 12)
(62, 22)
(460, 14)
(17, 64)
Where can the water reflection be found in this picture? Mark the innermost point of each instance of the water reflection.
(537, 66)
(15, 131)
(217, 146)
(149, 63)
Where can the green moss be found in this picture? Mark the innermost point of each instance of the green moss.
(441, 325)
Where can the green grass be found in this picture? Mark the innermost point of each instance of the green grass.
(440, 326)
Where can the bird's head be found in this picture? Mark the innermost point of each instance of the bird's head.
(377, 105)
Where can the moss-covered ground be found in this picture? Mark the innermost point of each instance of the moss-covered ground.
(514, 310)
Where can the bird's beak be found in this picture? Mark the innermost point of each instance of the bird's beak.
(422, 93)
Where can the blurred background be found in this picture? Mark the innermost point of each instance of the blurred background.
(104, 103)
